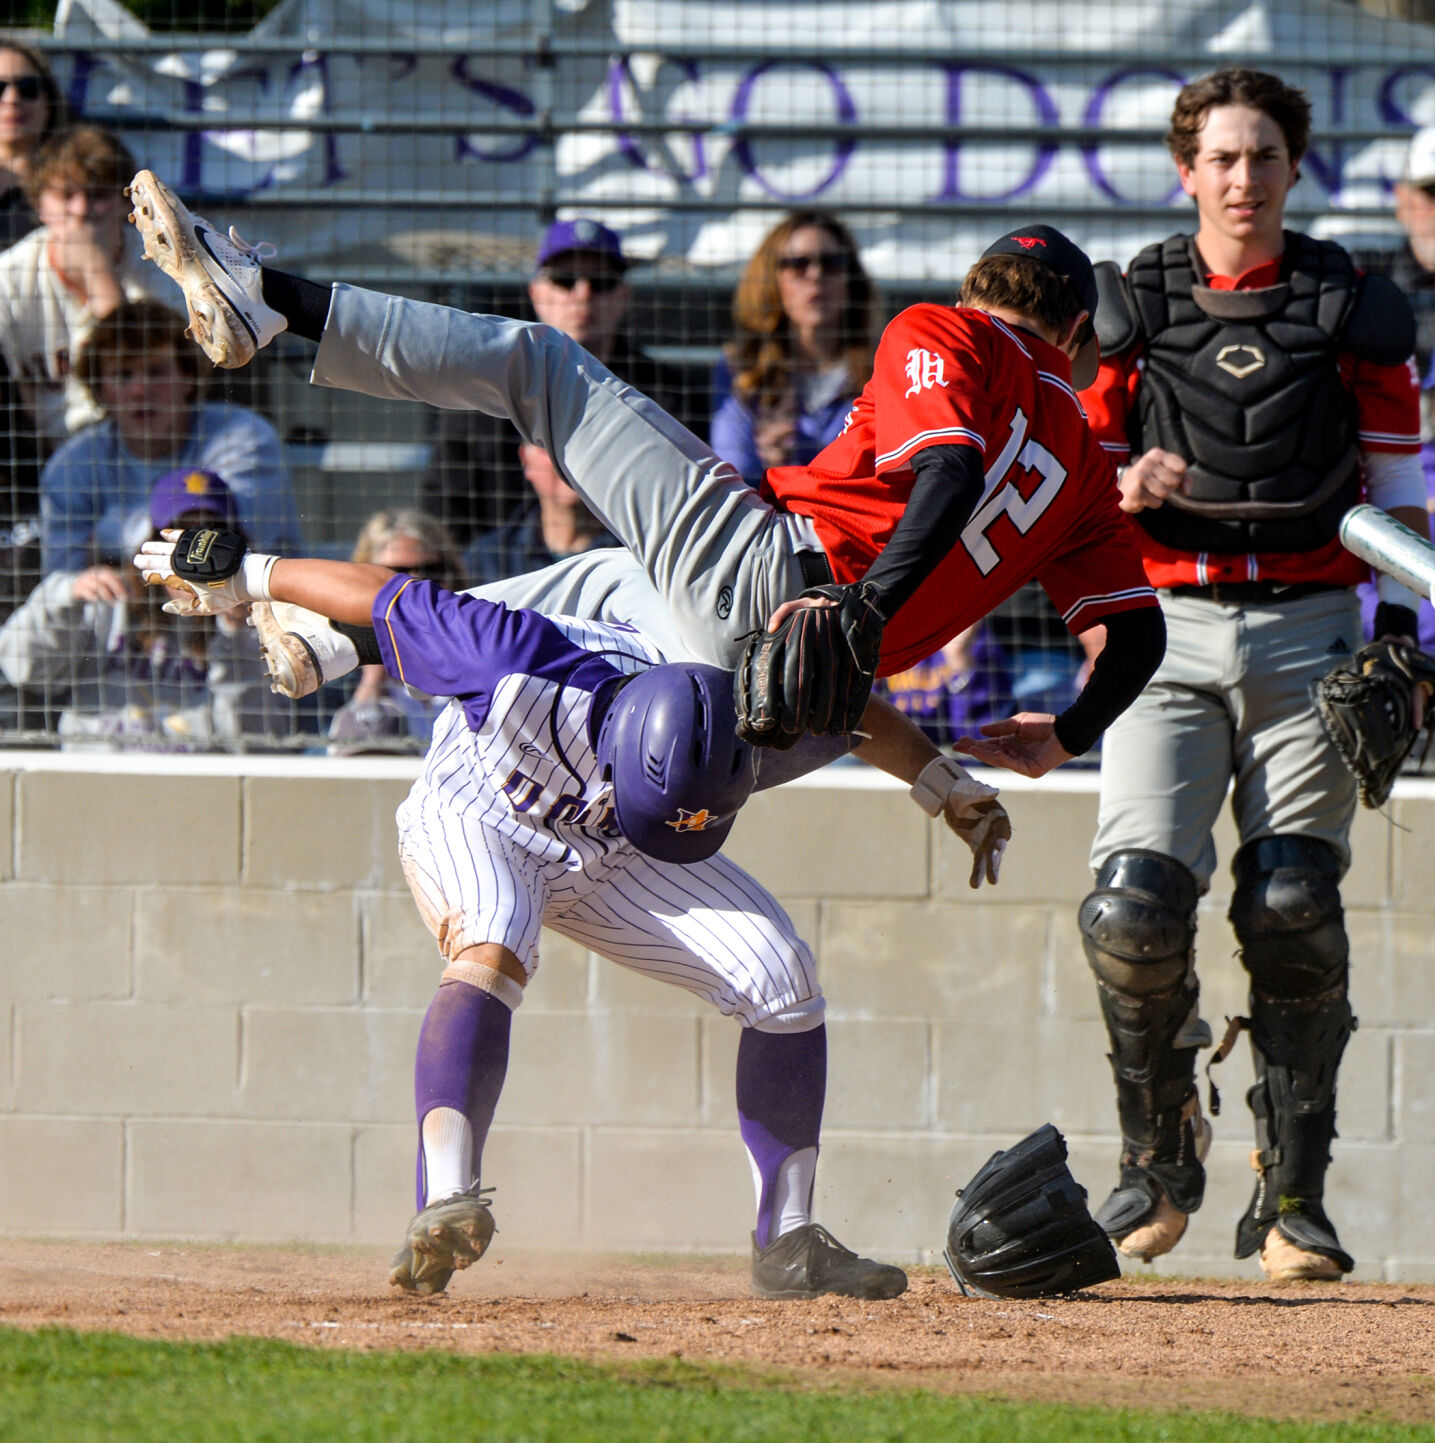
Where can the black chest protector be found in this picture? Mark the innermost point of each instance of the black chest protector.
(1245, 386)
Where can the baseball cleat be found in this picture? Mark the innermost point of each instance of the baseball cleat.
(809, 1262)
(301, 650)
(1283, 1262)
(220, 275)
(445, 1237)
(1139, 1217)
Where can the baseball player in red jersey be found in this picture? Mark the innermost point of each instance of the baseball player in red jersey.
(1254, 387)
(965, 471)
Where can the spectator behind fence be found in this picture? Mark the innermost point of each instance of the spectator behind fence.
(580, 287)
(555, 523)
(147, 382)
(383, 716)
(31, 111)
(60, 280)
(804, 313)
(956, 690)
(1412, 268)
(95, 643)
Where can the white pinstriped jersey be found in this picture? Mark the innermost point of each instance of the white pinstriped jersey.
(510, 829)
(514, 750)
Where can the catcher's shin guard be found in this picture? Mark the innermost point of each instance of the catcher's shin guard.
(1138, 928)
(1020, 1228)
(1287, 915)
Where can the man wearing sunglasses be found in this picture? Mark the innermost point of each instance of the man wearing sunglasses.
(483, 476)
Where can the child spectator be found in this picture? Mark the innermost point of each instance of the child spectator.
(803, 349)
(96, 644)
(60, 280)
(31, 111)
(147, 384)
(579, 286)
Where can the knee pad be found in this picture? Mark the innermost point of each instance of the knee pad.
(1287, 916)
(1139, 925)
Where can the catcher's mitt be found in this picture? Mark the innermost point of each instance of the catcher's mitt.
(1020, 1228)
(1367, 706)
(814, 673)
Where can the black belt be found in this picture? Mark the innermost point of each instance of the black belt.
(1256, 593)
(814, 568)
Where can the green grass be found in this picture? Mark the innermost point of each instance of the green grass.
(57, 1386)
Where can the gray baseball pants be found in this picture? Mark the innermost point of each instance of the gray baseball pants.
(1230, 707)
(720, 556)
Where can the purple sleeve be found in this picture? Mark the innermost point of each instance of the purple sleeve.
(452, 645)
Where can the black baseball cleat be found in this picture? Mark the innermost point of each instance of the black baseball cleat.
(809, 1262)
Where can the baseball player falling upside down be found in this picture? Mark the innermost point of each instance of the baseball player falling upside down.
(576, 782)
(966, 469)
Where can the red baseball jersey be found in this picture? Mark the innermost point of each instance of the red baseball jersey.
(1387, 409)
(948, 376)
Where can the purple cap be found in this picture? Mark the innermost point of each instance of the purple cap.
(580, 235)
(179, 492)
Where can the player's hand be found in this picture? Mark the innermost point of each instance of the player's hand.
(1150, 479)
(1024, 743)
(985, 827)
(205, 580)
(100, 583)
(798, 603)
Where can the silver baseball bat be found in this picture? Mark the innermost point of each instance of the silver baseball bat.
(1377, 537)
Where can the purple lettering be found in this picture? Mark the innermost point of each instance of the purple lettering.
(1046, 115)
(842, 149)
(620, 80)
(504, 99)
(1331, 173)
(1095, 110)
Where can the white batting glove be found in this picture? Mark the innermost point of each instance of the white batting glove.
(212, 572)
(970, 808)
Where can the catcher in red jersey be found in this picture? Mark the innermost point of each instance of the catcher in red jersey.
(965, 471)
(1255, 386)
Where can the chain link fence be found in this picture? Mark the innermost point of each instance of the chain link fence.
(431, 148)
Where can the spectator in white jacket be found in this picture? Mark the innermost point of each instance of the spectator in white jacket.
(148, 382)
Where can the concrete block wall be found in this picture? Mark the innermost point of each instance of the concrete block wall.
(212, 978)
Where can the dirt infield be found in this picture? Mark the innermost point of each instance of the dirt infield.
(1303, 1351)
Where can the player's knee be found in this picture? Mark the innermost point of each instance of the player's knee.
(1139, 924)
(490, 968)
(804, 1016)
(1287, 916)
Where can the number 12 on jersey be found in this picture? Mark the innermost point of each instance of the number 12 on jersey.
(1001, 494)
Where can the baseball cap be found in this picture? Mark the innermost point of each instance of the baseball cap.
(360, 728)
(580, 235)
(1047, 244)
(178, 492)
(1420, 159)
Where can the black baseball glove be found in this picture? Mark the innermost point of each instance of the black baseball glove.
(1367, 706)
(814, 673)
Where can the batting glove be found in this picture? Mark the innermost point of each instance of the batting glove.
(970, 808)
(208, 570)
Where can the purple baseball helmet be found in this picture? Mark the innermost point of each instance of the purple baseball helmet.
(669, 746)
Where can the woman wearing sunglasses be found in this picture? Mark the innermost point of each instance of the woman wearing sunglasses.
(31, 111)
(803, 348)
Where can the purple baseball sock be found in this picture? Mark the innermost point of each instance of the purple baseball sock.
(461, 1063)
(781, 1085)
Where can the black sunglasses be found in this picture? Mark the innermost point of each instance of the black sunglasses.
(28, 87)
(823, 263)
(601, 284)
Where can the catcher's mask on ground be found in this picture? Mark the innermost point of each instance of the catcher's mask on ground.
(669, 746)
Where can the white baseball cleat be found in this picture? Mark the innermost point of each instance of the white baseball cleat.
(301, 650)
(220, 275)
